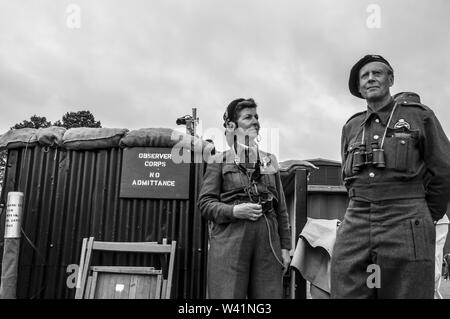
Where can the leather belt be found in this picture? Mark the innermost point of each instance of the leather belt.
(387, 191)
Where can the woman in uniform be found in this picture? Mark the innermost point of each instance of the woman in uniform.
(243, 199)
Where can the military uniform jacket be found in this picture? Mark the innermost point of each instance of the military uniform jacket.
(416, 152)
(224, 186)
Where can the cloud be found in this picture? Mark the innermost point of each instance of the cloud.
(144, 64)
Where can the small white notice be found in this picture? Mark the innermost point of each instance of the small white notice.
(13, 215)
(120, 287)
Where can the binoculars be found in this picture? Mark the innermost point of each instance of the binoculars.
(362, 157)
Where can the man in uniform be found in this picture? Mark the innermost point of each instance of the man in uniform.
(396, 168)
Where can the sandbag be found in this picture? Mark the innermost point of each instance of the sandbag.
(51, 136)
(161, 137)
(88, 138)
(18, 138)
(168, 138)
(150, 137)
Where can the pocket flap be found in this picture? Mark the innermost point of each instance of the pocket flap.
(402, 132)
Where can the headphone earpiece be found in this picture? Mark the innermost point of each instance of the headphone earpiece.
(231, 126)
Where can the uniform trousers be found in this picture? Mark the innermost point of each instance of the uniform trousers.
(391, 239)
(241, 263)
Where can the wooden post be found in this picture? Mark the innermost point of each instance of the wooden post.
(300, 203)
(11, 248)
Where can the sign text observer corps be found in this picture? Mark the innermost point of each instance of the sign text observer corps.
(149, 172)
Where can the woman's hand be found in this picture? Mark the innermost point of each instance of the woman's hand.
(286, 260)
(248, 211)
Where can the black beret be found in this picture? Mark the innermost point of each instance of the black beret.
(354, 73)
(230, 114)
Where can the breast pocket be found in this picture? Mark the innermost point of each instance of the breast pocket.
(269, 180)
(268, 176)
(401, 149)
(232, 177)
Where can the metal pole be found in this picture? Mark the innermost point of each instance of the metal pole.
(194, 121)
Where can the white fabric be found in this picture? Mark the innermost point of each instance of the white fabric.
(441, 236)
(313, 252)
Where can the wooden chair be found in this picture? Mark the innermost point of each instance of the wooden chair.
(118, 281)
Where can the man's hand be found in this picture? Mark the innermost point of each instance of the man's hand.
(248, 211)
(286, 260)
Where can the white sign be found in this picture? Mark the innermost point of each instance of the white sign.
(13, 215)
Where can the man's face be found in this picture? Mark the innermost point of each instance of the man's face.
(248, 123)
(375, 81)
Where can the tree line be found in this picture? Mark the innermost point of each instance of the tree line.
(69, 120)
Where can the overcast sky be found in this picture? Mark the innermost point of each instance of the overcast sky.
(139, 64)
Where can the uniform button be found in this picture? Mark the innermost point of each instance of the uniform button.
(403, 142)
(417, 223)
(376, 137)
(377, 120)
(371, 174)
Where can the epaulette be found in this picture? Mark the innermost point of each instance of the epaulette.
(412, 103)
(355, 115)
(409, 99)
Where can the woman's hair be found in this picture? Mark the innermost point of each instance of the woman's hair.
(233, 109)
(232, 114)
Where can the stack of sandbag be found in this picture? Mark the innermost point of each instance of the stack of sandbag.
(25, 137)
(165, 137)
(87, 138)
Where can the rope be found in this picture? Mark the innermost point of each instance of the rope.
(389, 121)
(385, 130)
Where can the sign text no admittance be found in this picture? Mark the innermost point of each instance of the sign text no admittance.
(149, 172)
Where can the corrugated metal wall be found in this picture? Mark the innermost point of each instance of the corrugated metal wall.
(327, 205)
(70, 195)
(326, 175)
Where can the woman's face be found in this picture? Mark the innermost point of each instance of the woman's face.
(248, 123)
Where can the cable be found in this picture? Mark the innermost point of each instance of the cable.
(273, 250)
(32, 245)
(270, 241)
(252, 178)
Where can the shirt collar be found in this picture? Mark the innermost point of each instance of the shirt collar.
(252, 152)
(383, 113)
